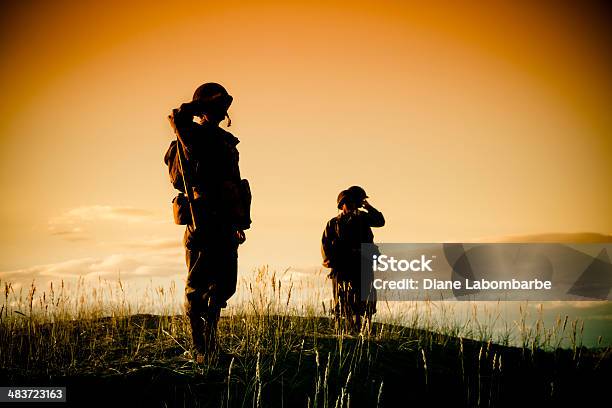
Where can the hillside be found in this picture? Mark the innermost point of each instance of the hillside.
(289, 361)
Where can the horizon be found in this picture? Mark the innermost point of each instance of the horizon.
(463, 123)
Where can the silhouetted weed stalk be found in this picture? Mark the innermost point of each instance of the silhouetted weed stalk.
(278, 337)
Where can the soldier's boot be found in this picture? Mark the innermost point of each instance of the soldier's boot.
(336, 318)
(210, 330)
(207, 352)
(197, 333)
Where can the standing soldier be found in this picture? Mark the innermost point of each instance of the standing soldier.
(203, 164)
(341, 249)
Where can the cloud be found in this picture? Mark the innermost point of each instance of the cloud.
(71, 225)
(154, 244)
(125, 265)
(104, 213)
(68, 233)
(69, 268)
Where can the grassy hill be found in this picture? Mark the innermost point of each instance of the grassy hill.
(281, 360)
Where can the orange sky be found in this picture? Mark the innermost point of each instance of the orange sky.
(461, 121)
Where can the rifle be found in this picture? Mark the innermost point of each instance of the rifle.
(184, 170)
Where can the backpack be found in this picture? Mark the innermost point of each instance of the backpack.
(236, 197)
(351, 232)
(171, 159)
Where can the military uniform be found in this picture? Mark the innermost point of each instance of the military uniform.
(341, 250)
(211, 250)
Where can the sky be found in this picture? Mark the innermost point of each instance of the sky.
(463, 121)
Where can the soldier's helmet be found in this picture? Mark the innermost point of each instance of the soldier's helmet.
(342, 198)
(213, 97)
(357, 193)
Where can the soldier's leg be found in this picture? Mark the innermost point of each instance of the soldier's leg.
(353, 306)
(211, 321)
(368, 319)
(344, 292)
(336, 299)
(222, 270)
(227, 278)
(335, 308)
(370, 306)
(194, 299)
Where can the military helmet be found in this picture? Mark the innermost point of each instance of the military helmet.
(342, 197)
(213, 96)
(357, 193)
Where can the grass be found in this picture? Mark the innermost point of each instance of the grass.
(276, 351)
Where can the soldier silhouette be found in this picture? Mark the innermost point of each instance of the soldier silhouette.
(203, 164)
(341, 250)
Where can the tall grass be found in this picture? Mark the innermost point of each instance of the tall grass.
(275, 339)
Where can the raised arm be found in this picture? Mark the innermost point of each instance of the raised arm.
(181, 120)
(375, 217)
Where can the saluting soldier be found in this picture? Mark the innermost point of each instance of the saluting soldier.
(341, 250)
(205, 159)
